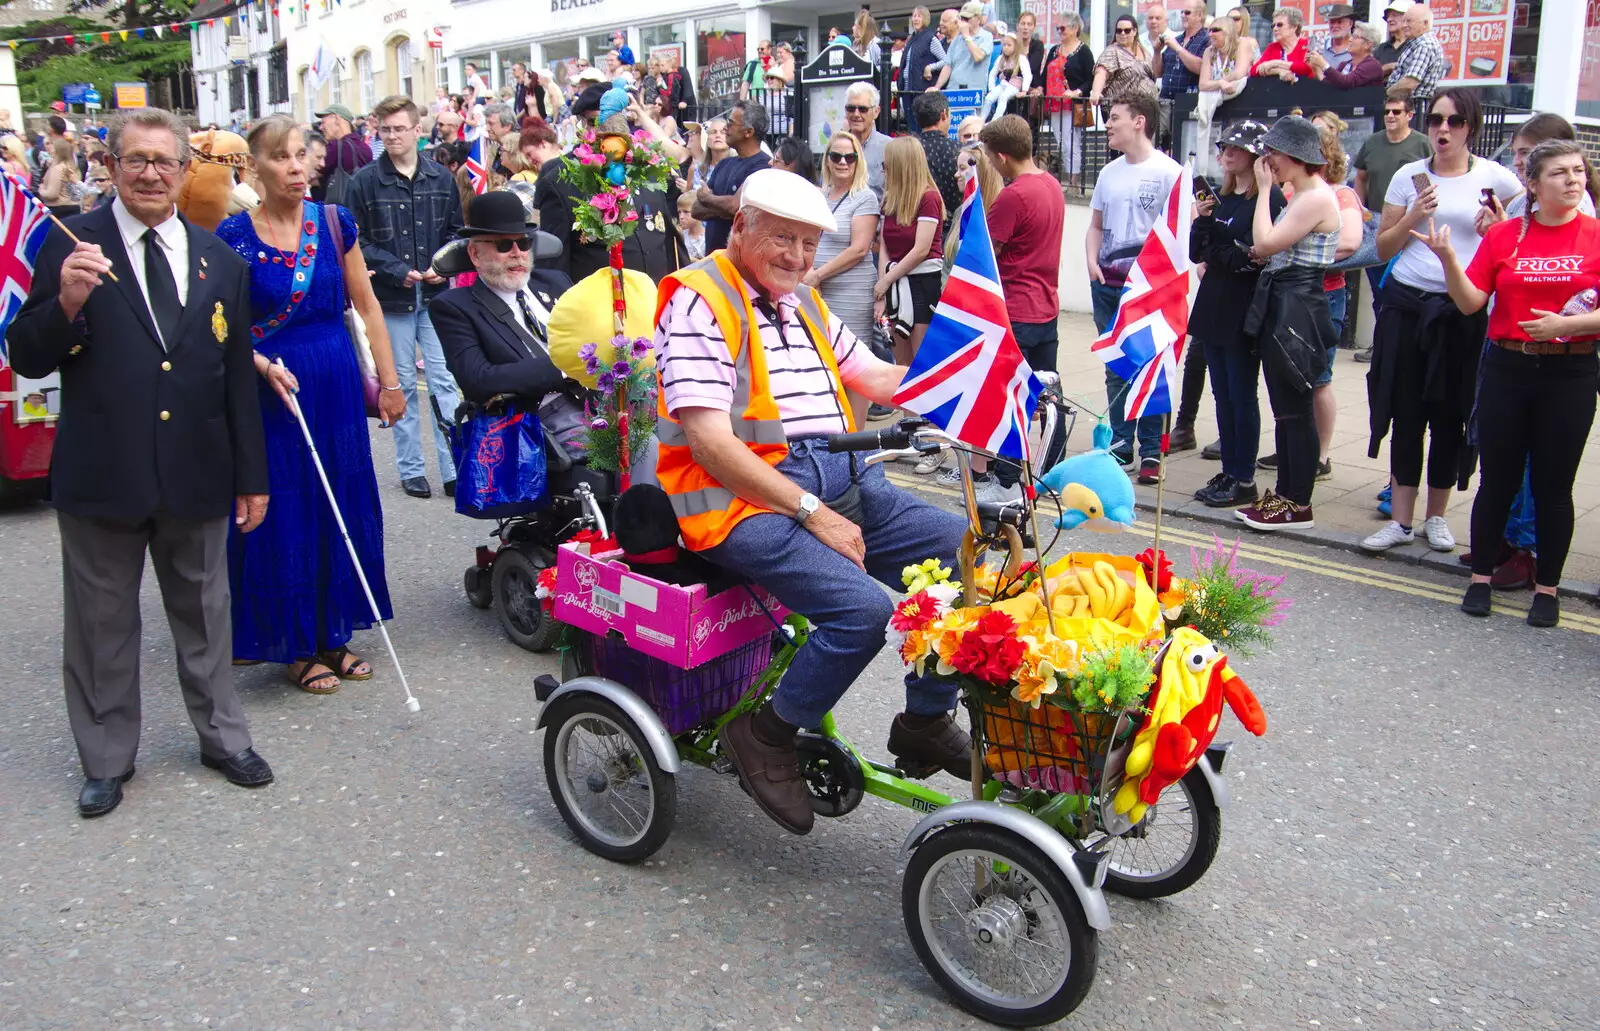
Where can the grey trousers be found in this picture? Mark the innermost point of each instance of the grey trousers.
(102, 563)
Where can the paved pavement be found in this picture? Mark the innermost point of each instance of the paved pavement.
(1344, 505)
(1408, 848)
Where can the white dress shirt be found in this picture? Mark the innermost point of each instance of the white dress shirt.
(175, 244)
(539, 312)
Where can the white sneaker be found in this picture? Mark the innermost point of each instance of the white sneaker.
(929, 464)
(1392, 535)
(1438, 533)
(996, 493)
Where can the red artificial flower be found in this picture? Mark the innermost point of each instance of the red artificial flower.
(1158, 578)
(915, 612)
(991, 650)
(597, 544)
(545, 588)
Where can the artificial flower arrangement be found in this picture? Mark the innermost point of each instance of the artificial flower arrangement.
(607, 169)
(622, 404)
(1232, 606)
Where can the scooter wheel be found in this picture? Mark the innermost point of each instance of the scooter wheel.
(479, 587)
(522, 615)
(605, 779)
(999, 926)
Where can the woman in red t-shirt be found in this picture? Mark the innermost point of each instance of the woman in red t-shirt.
(1536, 394)
(911, 255)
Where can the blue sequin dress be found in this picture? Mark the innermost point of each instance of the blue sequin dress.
(294, 590)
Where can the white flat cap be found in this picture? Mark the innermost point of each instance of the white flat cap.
(788, 196)
(591, 74)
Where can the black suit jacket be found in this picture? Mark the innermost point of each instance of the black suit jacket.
(145, 429)
(653, 247)
(485, 346)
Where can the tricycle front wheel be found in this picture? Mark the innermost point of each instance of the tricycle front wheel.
(998, 925)
(605, 779)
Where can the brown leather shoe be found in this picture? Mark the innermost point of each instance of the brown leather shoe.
(1182, 438)
(771, 773)
(922, 748)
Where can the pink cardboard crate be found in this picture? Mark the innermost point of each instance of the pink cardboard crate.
(680, 625)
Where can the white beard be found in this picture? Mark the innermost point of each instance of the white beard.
(504, 281)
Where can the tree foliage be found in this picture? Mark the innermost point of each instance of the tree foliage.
(132, 14)
(44, 67)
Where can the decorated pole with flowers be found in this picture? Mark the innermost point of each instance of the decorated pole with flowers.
(609, 168)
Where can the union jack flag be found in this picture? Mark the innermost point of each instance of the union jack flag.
(477, 171)
(1146, 342)
(24, 224)
(969, 377)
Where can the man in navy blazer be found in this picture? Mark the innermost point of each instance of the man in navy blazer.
(493, 332)
(159, 445)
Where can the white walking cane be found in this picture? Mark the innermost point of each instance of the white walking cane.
(412, 705)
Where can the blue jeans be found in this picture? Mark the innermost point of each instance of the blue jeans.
(1235, 378)
(1038, 342)
(409, 331)
(1148, 428)
(1375, 277)
(1338, 301)
(847, 607)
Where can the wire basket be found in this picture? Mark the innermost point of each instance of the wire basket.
(1048, 748)
(683, 698)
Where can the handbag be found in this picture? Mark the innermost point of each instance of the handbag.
(499, 451)
(1366, 255)
(353, 324)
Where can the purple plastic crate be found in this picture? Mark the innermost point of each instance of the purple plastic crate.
(683, 698)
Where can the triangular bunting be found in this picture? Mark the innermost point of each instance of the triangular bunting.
(227, 22)
(141, 32)
(105, 37)
(124, 34)
(69, 40)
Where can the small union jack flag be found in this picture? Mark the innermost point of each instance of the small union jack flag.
(1146, 342)
(24, 224)
(477, 171)
(969, 377)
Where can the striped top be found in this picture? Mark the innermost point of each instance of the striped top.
(697, 368)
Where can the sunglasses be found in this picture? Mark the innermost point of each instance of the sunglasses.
(507, 245)
(1125, 32)
(857, 109)
(1394, 112)
(1215, 29)
(843, 159)
(1435, 120)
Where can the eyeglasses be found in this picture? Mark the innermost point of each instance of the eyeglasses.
(395, 130)
(507, 244)
(1435, 120)
(137, 163)
(857, 109)
(839, 158)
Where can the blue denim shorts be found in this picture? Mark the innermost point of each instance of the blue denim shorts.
(1337, 299)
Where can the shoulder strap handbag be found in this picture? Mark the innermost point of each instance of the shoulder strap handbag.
(1366, 255)
(352, 319)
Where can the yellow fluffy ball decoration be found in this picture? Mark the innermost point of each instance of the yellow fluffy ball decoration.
(583, 316)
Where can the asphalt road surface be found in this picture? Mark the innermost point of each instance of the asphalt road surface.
(1412, 845)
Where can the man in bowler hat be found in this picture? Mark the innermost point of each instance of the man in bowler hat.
(158, 447)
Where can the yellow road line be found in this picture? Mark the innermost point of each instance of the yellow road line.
(1397, 582)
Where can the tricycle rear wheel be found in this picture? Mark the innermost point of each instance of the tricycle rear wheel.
(1172, 847)
(998, 925)
(605, 779)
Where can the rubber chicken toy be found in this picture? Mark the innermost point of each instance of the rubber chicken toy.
(1185, 710)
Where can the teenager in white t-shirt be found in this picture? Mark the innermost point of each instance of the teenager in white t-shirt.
(1128, 199)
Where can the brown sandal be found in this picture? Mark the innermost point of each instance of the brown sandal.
(312, 682)
(347, 664)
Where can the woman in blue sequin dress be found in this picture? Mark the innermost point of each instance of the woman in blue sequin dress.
(296, 596)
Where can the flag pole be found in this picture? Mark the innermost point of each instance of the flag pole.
(1161, 481)
(71, 235)
(1038, 553)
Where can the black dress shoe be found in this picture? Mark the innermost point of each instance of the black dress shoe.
(100, 795)
(449, 488)
(417, 487)
(1230, 494)
(246, 769)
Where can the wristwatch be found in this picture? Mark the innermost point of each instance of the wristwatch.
(807, 504)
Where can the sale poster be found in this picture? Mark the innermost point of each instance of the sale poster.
(722, 63)
(1449, 36)
(1476, 37)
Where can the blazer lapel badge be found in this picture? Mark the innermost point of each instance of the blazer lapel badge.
(219, 324)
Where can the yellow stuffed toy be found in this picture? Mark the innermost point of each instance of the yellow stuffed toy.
(212, 187)
(1185, 709)
(582, 317)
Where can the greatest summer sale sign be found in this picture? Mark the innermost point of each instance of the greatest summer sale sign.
(1476, 37)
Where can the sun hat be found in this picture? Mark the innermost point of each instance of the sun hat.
(971, 9)
(1295, 137)
(1245, 135)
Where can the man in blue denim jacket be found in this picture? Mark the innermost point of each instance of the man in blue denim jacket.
(407, 207)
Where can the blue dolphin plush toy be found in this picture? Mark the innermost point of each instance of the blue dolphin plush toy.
(1095, 493)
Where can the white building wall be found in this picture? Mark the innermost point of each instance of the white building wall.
(374, 28)
(213, 65)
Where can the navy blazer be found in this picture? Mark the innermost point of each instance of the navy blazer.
(145, 429)
(485, 346)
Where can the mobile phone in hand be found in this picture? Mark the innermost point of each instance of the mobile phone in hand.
(1203, 190)
(1420, 180)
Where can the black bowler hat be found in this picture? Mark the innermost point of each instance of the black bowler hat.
(498, 213)
(588, 101)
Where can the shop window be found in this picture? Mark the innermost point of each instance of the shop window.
(662, 41)
(400, 62)
(720, 48)
(278, 74)
(364, 84)
(480, 68)
(561, 57)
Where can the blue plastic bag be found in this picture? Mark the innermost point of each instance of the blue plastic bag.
(500, 464)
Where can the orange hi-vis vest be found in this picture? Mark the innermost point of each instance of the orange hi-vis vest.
(706, 510)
